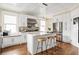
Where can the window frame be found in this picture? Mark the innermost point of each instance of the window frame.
(11, 14)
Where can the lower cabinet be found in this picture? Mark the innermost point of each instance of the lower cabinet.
(24, 37)
(19, 40)
(9, 41)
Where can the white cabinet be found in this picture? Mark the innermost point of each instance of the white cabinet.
(24, 37)
(54, 19)
(22, 20)
(17, 40)
(7, 42)
(58, 18)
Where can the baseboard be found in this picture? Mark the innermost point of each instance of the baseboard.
(76, 45)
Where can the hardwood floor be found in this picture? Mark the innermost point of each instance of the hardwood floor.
(66, 49)
(15, 50)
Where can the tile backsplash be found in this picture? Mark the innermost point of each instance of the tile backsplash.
(22, 29)
(26, 29)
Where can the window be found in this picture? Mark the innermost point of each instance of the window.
(10, 23)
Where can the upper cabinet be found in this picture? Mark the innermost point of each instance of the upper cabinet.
(27, 23)
(22, 20)
(58, 18)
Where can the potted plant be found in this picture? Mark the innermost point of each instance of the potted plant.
(49, 29)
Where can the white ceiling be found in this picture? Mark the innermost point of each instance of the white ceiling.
(34, 8)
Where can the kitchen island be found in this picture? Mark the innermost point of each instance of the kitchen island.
(32, 41)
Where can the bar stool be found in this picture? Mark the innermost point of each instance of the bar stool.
(41, 41)
(50, 38)
(58, 42)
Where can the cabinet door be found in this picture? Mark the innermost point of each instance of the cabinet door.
(22, 20)
(16, 40)
(24, 37)
(13, 40)
(7, 42)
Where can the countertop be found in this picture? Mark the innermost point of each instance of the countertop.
(11, 35)
(41, 34)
